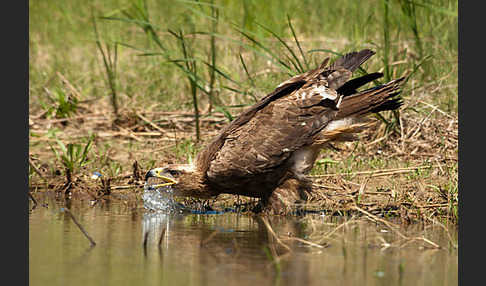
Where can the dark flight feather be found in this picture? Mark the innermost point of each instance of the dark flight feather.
(351, 86)
(353, 60)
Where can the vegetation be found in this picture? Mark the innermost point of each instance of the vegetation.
(154, 80)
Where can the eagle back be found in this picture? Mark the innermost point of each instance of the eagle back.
(260, 141)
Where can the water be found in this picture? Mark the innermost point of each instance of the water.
(160, 199)
(227, 249)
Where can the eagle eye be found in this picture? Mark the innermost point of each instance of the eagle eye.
(174, 172)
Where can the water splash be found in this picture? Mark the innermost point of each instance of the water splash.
(160, 199)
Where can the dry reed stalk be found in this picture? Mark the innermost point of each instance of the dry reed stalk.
(377, 219)
(363, 185)
(394, 228)
(125, 187)
(211, 236)
(328, 235)
(145, 240)
(437, 109)
(161, 238)
(66, 210)
(412, 239)
(105, 134)
(33, 199)
(377, 140)
(150, 122)
(375, 173)
(270, 230)
(415, 130)
(304, 241)
(60, 120)
(327, 187)
(237, 248)
(451, 241)
(128, 133)
(36, 170)
(74, 91)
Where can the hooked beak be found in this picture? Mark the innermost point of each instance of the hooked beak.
(158, 173)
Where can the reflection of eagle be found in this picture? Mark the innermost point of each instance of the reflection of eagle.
(269, 148)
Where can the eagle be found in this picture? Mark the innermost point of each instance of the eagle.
(267, 151)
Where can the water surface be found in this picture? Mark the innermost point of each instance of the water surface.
(227, 249)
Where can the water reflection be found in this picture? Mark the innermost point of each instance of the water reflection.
(156, 228)
(227, 249)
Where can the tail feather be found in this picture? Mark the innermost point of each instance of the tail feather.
(352, 61)
(379, 98)
(343, 130)
(341, 70)
(390, 104)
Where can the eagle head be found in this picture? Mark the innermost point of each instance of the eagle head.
(170, 175)
(183, 179)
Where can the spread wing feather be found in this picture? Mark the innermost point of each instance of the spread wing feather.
(261, 140)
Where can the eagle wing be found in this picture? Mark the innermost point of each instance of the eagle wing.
(262, 139)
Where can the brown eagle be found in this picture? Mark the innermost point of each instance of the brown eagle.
(267, 150)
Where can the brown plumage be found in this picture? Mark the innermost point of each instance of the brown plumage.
(271, 146)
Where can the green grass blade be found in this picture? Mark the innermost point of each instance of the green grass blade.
(386, 40)
(297, 42)
(140, 23)
(437, 9)
(225, 112)
(246, 71)
(297, 63)
(220, 72)
(86, 150)
(203, 15)
(266, 50)
(202, 3)
(283, 67)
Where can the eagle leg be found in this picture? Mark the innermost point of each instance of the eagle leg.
(287, 198)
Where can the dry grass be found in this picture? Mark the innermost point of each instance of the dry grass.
(413, 176)
(408, 170)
